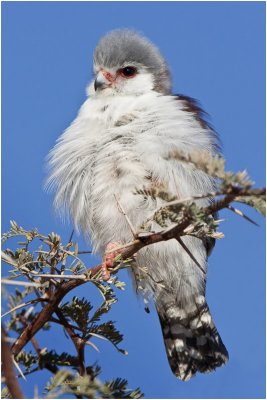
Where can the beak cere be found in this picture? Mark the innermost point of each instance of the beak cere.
(103, 80)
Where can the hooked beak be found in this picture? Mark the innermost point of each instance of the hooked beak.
(101, 81)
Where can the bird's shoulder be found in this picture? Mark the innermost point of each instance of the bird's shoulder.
(192, 105)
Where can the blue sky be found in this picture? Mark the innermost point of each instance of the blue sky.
(216, 51)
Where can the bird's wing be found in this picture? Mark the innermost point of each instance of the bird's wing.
(192, 106)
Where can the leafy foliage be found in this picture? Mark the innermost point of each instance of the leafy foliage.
(215, 166)
(79, 318)
(27, 359)
(234, 186)
(257, 202)
(90, 388)
(78, 311)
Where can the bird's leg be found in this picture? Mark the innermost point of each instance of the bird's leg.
(108, 259)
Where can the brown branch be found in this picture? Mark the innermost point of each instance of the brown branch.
(127, 251)
(78, 342)
(53, 268)
(8, 370)
(65, 324)
(37, 348)
(29, 372)
(44, 315)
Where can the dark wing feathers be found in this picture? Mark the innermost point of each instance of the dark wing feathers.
(192, 106)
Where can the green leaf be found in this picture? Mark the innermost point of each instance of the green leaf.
(58, 380)
(5, 394)
(107, 330)
(78, 310)
(118, 389)
(65, 382)
(103, 309)
(106, 291)
(119, 284)
(27, 359)
(54, 359)
(257, 202)
(17, 297)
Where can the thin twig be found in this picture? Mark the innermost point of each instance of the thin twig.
(37, 348)
(78, 342)
(52, 270)
(180, 241)
(23, 269)
(72, 254)
(241, 214)
(29, 372)
(18, 368)
(21, 283)
(49, 276)
(71, 236)
(57, 321)
(121, 209)
(93, 345)
(67, 324)
(97, 335)
(23, 305)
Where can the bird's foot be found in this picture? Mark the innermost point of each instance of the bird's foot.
(108, 259)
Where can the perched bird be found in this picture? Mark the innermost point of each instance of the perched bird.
(118, 143)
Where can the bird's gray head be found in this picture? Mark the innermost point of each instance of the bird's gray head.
(127, 63)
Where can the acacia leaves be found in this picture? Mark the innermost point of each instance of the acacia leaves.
(49, 269)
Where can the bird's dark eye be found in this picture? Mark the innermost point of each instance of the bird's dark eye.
(128, 72)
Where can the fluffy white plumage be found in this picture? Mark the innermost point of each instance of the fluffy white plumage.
(119, 142)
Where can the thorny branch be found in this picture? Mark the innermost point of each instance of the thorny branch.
(8, 370)
(127, 251)
(78, 342)
(37, 348)
(44, 315)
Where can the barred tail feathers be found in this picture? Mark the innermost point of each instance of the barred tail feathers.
(192, 341)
